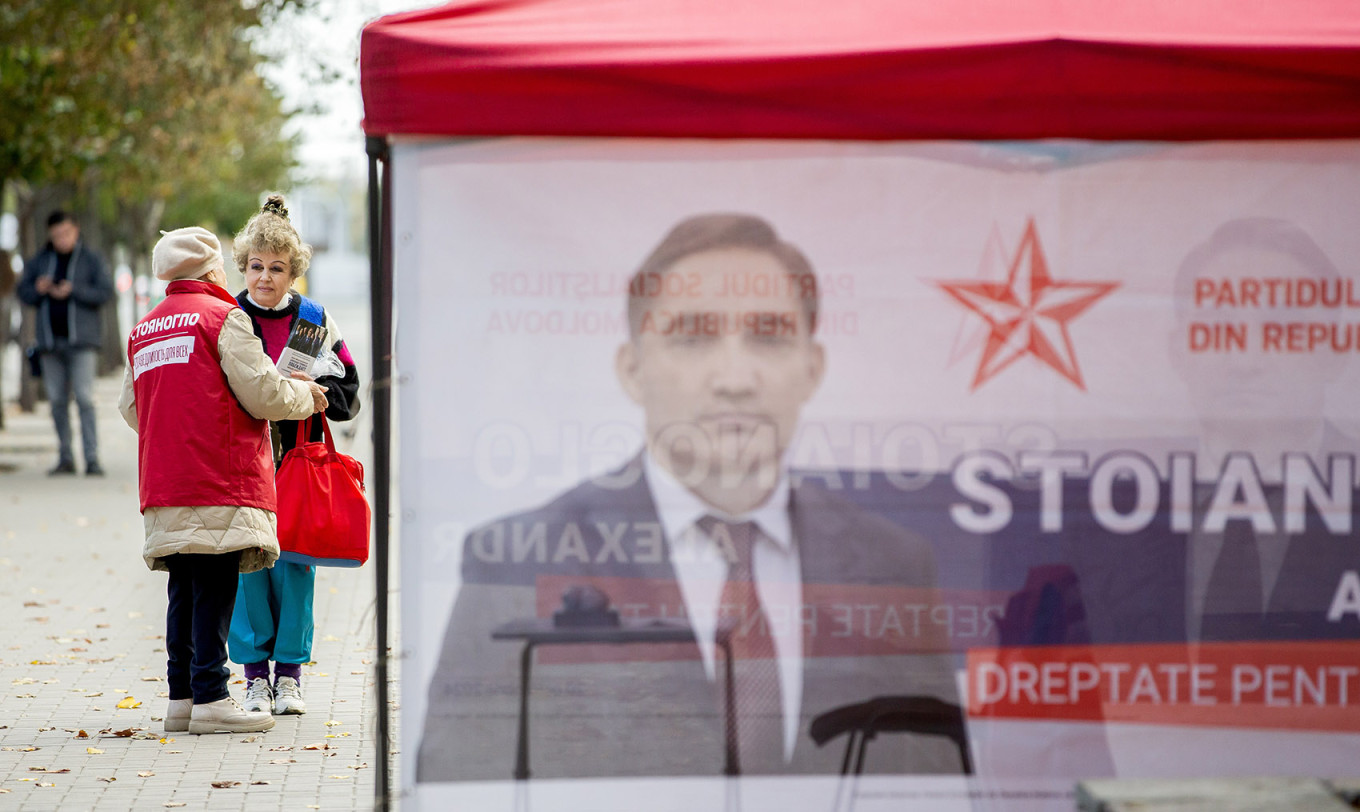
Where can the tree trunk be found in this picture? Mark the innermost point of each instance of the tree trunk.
(109, 359)
(143, 222)
(8, 280)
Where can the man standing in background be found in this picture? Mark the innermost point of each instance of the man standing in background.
(67, 282)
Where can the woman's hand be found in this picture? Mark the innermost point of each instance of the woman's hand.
(319, 402)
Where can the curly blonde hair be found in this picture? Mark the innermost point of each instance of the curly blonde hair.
(270, 230)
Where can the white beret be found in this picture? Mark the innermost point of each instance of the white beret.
(186, 253)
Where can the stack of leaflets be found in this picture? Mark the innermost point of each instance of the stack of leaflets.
(305, 343)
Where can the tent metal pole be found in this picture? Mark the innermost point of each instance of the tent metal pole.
(380, 303)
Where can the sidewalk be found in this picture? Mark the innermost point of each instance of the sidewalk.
(82, 661)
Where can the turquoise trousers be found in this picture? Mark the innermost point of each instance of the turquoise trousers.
(273, 615)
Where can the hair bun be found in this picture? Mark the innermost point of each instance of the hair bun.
(274, 205)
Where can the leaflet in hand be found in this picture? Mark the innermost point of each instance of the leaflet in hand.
(305, 342)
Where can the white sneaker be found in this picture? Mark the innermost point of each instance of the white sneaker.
(177, 715)
(288, 696)
(259, 696)
(226, 716)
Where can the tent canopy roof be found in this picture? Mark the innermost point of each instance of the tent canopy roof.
(867, 69)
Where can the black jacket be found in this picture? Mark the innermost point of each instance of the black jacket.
(342, 393)
(90, 288)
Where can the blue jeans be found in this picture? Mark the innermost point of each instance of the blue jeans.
(69, 370)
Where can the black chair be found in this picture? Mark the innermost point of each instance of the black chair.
(891, 714)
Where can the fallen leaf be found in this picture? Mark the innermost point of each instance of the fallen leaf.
(249, 739)
(23, 681)
(281, 748)
(94, 751)
(258, 783)
(333, 723)
(226, 784)
(153, 679)
(95, 694)
(107, 779)
(145, 774)
(82, 735)
(173, 804)
(283, 761)
(48, 770)
(317, 746)
(166, 740)
(25, 696)
(46, 784)
(363, 766)
(31, 603)
(341, 777)
(43, 662)
(128, 702)
(123, 734)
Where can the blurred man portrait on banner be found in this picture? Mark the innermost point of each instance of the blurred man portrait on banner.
(1248, 300)
(703, 526)
(1247, 562)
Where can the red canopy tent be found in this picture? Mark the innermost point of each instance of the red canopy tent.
(852, 69)
(868, 69)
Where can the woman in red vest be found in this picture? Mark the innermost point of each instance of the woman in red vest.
(199, 392)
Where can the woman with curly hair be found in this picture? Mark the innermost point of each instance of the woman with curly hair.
(272, 620)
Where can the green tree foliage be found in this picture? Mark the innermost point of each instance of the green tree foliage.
(151, 104)
(137, 113)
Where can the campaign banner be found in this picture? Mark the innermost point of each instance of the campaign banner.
(713, 452)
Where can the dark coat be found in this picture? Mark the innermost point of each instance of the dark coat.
(342, 392)
(642, 710)
(91, 287)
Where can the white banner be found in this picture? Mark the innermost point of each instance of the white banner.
(1054, 382)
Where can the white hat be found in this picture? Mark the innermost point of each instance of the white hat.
(186, 253)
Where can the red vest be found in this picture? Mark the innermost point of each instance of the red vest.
(196, 444)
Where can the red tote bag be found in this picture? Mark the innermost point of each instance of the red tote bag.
(323, 514)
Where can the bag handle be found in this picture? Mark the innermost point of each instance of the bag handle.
(304, 431)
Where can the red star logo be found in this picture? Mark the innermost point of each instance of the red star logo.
(1028, 313)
